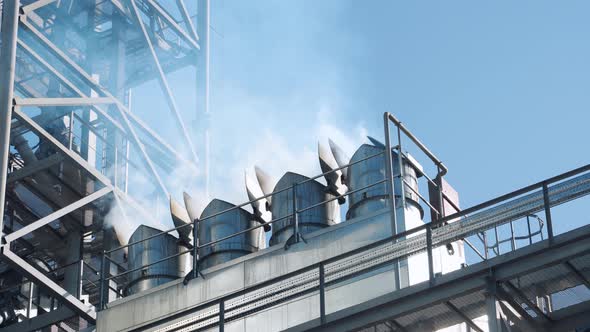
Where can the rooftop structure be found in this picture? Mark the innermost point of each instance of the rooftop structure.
(377, 242)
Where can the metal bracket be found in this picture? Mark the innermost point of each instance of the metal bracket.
(294, 238)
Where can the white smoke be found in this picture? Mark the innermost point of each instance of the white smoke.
(276, 152)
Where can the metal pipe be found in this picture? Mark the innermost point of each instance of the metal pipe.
(71, 133)
(440, 193)
(497, 241)
(513, 242)
(422, 198)
(9, 28)
(401, 172)
(414, 139)
(30, 299)
(102, 280)
(221, 316)
(322, 294)
(391, 189)
(195, 248)
(429, 251)
(547, 212)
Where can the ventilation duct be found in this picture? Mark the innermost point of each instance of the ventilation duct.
(308, 194)
(372, 170)
(148, 252)
(221, 226)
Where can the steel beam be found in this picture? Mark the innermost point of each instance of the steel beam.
(578, 274)
(525, 299)
(521, 324)
(504, 296)
(50, 286)
(9, 30)
(164, 84)
(80, 161)
(57, 214)
(456, 283)
(71, 154)
(95, 85)
(102, 112)
(491, 305)
(43, 63)
(187, 19)
(83, 101)
(41, 321)
(571, 317)
(464, 317)
(36, 5)
(31, 169)
(171, 23)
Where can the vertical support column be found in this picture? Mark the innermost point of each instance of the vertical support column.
(391, 191)
(400, 164)
(30, 299)
(491, 309)
(195, 272)
(102, 281)
(72, 272)
(441, 199)
(10, 18)
(429, 253)
(295, 217)
(322, 294)
(547, 212)
(221, 316)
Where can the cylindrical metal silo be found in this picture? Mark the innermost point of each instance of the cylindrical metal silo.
(308, 194)
(147, 252)
(372, 170)
(224, 225)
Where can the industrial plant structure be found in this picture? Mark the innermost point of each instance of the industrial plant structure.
(377, 242)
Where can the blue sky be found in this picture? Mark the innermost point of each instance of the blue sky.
(498, 90)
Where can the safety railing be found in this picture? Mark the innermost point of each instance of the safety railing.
(318, 277)
(389, 179)
(423, 238)
(197, 247)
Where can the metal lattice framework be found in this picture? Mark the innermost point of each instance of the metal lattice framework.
(69, 141)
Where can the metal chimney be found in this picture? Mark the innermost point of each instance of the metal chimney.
(224, 225)
(147, 252)
(308, 194)
(371, 171)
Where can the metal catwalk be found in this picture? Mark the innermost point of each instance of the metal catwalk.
(533, 283)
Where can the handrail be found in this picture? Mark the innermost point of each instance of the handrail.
(428, 227)
(518, 192)
(248, 203)
(421, 145)
(230, 236)
(321, 264)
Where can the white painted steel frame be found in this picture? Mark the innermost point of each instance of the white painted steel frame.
(7, 109)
